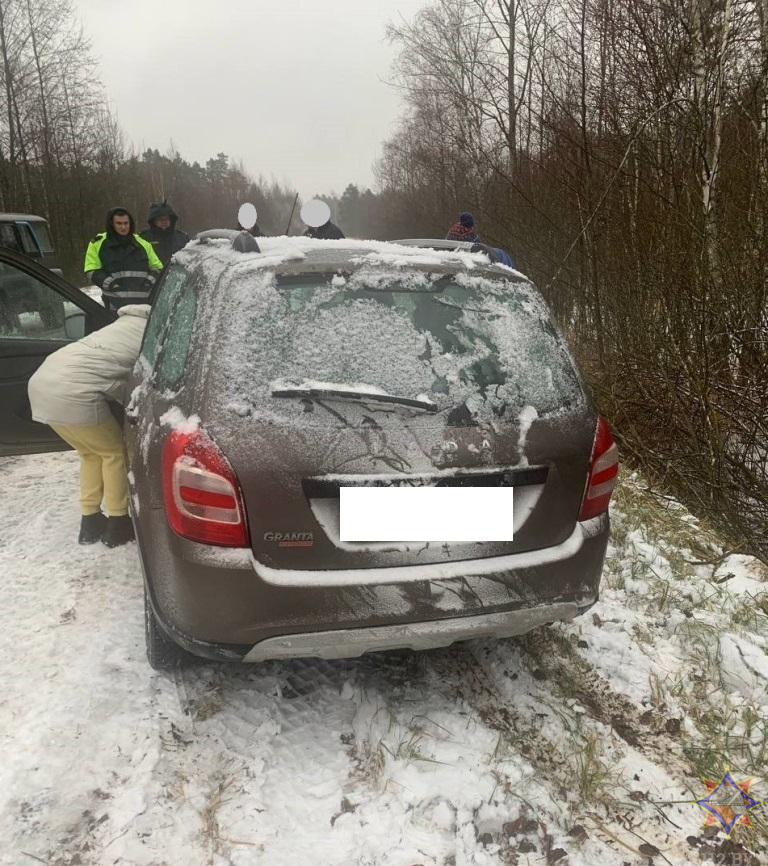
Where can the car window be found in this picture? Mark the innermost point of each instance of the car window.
(168, 294)
(28, 239)
(484, 347)
(29, 309)
(8, 237)
(43, 236)
(175, 347)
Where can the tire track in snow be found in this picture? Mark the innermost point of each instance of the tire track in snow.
(550, 657)
(518, 714)
(475, 707)
(74, 702)
(259, 760)
(236, 743)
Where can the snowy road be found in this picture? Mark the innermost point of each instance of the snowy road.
(571, 746)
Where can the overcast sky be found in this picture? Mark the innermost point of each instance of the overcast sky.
(294, 88)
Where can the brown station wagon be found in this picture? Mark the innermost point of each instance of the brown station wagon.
(271, 382)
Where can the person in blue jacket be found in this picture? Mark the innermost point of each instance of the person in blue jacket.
(504, 257)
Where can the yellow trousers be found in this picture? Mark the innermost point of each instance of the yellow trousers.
(102, 466)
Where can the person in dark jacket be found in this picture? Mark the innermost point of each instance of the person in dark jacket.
(328, 232)
(253, 230)
(162, 233)
(122, 264)
(316, 215)
(464, 229)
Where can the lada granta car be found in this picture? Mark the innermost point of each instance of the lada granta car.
(270, 382)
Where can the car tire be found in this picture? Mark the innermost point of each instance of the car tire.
(162, 653)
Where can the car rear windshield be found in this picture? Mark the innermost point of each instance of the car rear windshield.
(486, 345)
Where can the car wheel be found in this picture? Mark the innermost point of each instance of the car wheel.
(162, 653)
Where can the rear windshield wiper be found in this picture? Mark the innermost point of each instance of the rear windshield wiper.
(330, 392)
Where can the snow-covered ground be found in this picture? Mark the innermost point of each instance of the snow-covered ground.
(580, 744)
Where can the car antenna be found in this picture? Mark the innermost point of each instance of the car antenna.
(288, 227)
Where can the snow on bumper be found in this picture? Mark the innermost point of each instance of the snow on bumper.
(465, 568)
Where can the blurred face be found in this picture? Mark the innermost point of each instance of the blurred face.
(163, 222)
(121, 224)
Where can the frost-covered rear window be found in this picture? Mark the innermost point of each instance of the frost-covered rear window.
(485, 347)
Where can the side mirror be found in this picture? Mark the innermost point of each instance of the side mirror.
(74, 325)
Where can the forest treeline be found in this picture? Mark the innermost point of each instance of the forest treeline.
(617, 148)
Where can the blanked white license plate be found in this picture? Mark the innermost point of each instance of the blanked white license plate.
(426, 513)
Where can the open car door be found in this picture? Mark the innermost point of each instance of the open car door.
(39, 313)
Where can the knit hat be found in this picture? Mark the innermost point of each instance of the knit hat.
(466, 219)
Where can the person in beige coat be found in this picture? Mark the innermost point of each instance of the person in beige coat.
(70, 392)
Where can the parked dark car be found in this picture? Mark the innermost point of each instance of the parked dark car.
(39, 313)
(270, 381)
(29, 234)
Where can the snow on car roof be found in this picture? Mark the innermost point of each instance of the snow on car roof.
(292, 250)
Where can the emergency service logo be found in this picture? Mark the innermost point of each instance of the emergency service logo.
(727, 803)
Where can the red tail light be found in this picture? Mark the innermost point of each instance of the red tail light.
(603, 470)
(201, 495)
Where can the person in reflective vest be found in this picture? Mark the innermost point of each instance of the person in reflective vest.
(122, 264)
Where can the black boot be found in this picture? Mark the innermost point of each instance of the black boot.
(92, 527)
(119, 531)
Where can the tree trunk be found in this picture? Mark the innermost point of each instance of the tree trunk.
(10, 183)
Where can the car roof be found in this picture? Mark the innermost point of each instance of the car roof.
(21, 216)
(295, 255)
(436, 243)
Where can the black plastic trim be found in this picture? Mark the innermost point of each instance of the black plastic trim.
(323, 488)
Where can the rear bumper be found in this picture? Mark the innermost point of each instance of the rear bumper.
(220, 603)
(350, 643)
